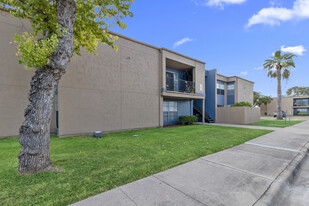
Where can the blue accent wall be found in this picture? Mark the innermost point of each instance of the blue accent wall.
(210, 93)
(185, 108)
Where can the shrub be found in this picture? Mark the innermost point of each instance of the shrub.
(301, 114)
(187, 119)
(242, 104)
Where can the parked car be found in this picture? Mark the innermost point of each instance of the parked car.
(276, 114)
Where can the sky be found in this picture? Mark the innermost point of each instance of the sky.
(232, 36)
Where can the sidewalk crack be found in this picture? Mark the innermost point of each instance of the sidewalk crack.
(127, 195)
(179, 190)
(236, 169)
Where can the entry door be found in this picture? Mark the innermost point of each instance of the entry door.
(170, 81)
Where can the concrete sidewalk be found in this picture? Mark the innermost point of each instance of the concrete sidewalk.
(237, 176)
(242, 126)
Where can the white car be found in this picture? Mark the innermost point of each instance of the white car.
(276, 114)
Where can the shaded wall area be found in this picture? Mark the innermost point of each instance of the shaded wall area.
(238, 115)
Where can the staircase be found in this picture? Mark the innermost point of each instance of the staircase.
(199, 113)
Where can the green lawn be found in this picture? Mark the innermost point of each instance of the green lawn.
(92, 166)
(276, 123)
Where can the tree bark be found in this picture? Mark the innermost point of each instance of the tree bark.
(35, 130)
(279, 93)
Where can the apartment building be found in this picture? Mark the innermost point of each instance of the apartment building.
(138, 86)
(298, 105)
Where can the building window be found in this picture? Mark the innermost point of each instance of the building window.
(170, 111)
(230, 93)
(301, 102)
(220, 87)
(220, 94)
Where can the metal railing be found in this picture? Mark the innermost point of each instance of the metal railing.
(179, 85)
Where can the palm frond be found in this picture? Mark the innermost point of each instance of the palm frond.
(287, 64)
(288, 56)
(269, 64)
(286, 74)
(278, 56)
(272, 74)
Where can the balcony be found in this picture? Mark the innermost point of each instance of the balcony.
(179, 85)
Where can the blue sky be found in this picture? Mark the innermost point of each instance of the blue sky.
(234, 36)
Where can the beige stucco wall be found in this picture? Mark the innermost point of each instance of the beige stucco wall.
(14, 78)
(244, 91)
(112, 91)
(263, 109)
(238, 115)
(116, 90)
(287, 105)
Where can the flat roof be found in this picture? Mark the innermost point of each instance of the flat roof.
(236, 77)
(136, 41)
(154, 47)
(298, 97)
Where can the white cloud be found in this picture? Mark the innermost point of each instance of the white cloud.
(182, 41)
(258, 68)
(244, 73)
(299, 50)
(217, 3)
(275, 15)
(221, 3)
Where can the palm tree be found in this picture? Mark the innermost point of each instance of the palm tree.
(278, 66)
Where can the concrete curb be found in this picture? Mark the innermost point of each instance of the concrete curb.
(281, 186)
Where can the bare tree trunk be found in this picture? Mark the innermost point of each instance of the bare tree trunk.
(279, 115)
(35, 130)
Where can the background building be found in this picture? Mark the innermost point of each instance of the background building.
(291, 105)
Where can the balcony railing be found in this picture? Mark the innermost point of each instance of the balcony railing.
(179, 85)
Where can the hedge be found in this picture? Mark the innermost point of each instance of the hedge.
(187, 119)
(302, 114)
(242, 104)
